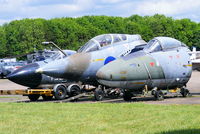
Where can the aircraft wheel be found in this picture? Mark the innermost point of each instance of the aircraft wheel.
(127, 96)
(60, 92)
(2, 76)
(33, 97)
(153, 92)
(184, 92)
(159, 95)
(47, 98)
(99, 94)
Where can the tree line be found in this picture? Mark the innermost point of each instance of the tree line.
(22, 36)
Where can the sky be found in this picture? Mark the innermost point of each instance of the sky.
(19, 9)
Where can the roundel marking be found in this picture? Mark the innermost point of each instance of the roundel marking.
(109, 59)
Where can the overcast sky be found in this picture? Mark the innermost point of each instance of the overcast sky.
(19, 9)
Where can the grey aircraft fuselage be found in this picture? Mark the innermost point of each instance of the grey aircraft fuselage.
(164, 63)
(99, 51)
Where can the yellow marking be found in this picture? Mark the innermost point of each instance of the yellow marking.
(123, 77)
(189, 65)
(174, 90)
(123, 72)
(97, 60)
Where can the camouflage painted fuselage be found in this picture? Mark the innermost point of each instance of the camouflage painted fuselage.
(162, 69)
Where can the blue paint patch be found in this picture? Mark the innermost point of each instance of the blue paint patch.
(109, 59)
(133, 65)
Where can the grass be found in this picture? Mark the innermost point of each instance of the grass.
(99, 118)
(8, 97)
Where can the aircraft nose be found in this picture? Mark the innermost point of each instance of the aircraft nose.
(104, 74)
(111, 72)
(26, 76)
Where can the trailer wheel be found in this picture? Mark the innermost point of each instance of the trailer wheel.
(33, 97)
(159, 95)
(127, 96)
(47, 98)
(73, 90)
(184, 92)
(99, 94)
(60, 92)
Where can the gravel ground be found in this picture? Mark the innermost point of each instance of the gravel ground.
(193, 86)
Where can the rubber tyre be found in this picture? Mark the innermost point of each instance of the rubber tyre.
(153, 92)
(127, 96)
(2, 76)
(74, 90)
(47, 98)
(60, 92)
(159, 95)
(33, 97)
(184, 92)
(99, 95)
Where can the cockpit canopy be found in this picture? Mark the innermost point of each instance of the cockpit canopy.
(107, 39)
(163, 44)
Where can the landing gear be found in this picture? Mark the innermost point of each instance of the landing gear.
(114, 93)
(158, 95)
(184, 92)
(60, 92)
(33, 97)
(127, 95)
(2, 76)
(99, 94)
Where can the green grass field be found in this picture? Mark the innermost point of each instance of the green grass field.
(99, 118)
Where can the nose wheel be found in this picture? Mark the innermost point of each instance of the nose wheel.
(2, 76)
(184, 92)
(99, 94)
(127, 95)
(159, 95)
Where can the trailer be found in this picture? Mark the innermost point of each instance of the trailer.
(48, 94)
(58, 91)
(33, 94)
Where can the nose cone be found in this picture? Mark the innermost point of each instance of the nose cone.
(109, 72)
(107, 75)
(113, 72)
(26, 76)
(104, 74)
